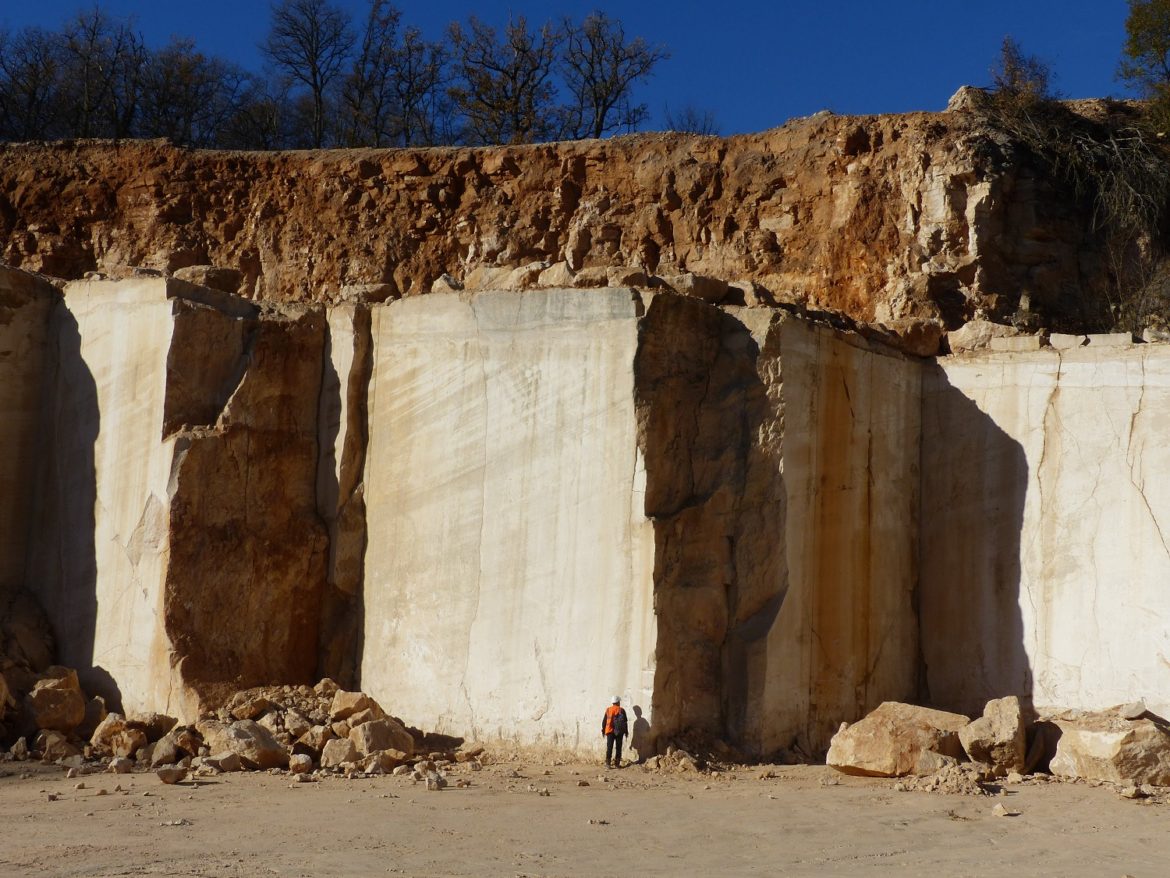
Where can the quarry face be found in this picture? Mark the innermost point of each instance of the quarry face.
(497, 434)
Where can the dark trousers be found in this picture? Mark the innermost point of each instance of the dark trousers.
(610, 740)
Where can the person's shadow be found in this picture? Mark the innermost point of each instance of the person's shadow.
(640, 735)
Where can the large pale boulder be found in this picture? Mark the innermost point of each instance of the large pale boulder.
(1107, 747)
(337, 751)
(999, 737)
(381, 734)
(248, 739)
(894, 739)
(56, 701)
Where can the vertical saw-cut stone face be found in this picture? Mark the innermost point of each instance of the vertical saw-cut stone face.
(507, 577)
(782, 467)
(25, 305)
(343, 427)
(99, 564)
(178, 547)
(1044, 548)
(845, 637)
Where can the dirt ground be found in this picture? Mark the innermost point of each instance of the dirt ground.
(807, 820)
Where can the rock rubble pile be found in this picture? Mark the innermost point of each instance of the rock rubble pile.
(305, 730)
(934, 750)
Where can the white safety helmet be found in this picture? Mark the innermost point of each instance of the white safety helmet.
(617, 699)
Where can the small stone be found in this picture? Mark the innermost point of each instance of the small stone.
(446, 283)
(1015, 777)
(227, 761)
(435, 781)
(79, 786)
(71, 773)
(582, 783)
(171, 774)
(300, 763)
(102, 791)
(121, 765)
(402, 770)
(1001, 811)
(1132, 792)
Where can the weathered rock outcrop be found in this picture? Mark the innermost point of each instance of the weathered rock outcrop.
(879, 216)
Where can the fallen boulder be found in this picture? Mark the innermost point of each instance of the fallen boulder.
(346, 704)
(1105, 746)
(381, 734)
(892, 741)
(54, 745)
(254, 744)
(337, 751)
(56, 701)
(999, 737)
(171, 774)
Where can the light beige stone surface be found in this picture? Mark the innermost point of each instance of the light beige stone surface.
(999, 737)
(843, 641)
(1044, 522)
(507, 578)
(1105, 747)
(178, 548)
(895, 740)
(98, 565)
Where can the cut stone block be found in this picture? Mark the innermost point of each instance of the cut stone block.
(180, 448)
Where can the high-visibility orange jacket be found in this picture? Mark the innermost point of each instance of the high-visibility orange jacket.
(614, 721)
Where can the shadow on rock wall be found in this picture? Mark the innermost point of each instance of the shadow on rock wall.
(62, 564)
(975, 479)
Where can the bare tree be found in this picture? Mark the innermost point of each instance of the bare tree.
(104, 58)
(310, 41)
(367, 93)
(691, 120)
(419, 76)
(504, 87)
(260, 119)
(600, 68)
(188, 96)
(30, 85)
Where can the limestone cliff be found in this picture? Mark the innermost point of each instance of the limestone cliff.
(880, 217)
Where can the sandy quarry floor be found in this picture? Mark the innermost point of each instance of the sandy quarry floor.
(808, 820)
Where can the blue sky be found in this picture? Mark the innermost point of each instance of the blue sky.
(753, 64)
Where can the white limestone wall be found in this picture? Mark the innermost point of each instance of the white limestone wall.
(1045, 526)
(845, 638)
(508, 580)
(100, 564)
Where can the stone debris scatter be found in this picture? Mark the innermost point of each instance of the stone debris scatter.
(304, 730)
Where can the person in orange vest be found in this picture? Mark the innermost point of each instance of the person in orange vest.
(614, 727)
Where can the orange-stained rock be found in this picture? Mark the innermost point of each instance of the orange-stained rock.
(896, 740)
(915, 215)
